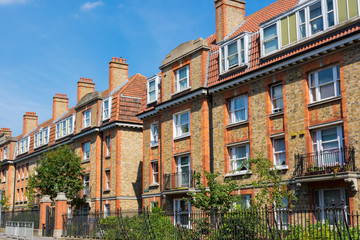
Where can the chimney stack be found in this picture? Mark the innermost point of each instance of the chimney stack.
(229, 15)
(60, 105)
(85, 86)
(30, 122)
(5, 131)
(118, 72)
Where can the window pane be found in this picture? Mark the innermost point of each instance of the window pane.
(277, 91)
(329, 134)
(270, 32)
(326, 76)
(327, 91)
(330, 145)
(278, 103)
(330, 195)
(185, 128)
(183, 84)
(317, 25)
(240, 115)
(302, 16)
(184, 118)
(152, 96)
(184, 160)
(331, 20)
(151, 86)
(302, 31)
(330, 5)
(233, 60)
(279, 145)
(240, 103)
(271, 46)
(182, 73)
(232, 48)
(315, 10)
(240, 152)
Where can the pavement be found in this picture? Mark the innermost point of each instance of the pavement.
(3, 236)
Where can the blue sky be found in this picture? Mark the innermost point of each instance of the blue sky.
(47, 45)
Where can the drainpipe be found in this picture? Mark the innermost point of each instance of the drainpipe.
(211, 134)
(101, 169)
(160, 163)
(14, 186)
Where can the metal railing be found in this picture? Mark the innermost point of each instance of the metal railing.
(20, 229)
(325, 162)
(179, 180)
(32, 215)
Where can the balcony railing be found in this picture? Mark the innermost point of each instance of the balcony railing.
(179, 180)
(325, 162)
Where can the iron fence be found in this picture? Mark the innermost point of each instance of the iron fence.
(32, 215)
(245, 223)
(179, 180)
(325, 162)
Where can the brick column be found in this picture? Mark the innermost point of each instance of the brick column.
(60, 210)
(44, 202)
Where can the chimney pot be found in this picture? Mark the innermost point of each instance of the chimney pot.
(85, 86)
(30, 121)
(60, 105)
(118, 72)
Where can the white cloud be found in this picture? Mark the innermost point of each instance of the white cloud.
(88, 5)
(8, 2)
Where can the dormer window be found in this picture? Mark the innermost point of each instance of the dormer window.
(23, 145)
(106, 107)
(233, 54)
(65, 127)
(87, 118)
(153, 89)
(271, 40)
(41, 137)
(182, 79)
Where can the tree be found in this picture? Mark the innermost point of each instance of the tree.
(58, 171)
(216, 195)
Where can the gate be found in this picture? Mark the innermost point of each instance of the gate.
(48, 227)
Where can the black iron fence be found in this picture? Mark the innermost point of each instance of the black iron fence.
(245, 223)
(32, 215)
(325, 162)
(179, 180)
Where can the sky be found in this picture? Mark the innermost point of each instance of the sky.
(47, 45)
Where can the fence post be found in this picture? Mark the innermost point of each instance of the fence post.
(60, 210)
(44, 202)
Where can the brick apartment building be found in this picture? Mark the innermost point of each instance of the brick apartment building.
(102, 128)
(281, 82)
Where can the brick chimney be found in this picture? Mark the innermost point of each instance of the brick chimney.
(5, 131)
(229, 15)
(60, 105)
(30, 122)
(85, 86)
(118, 72)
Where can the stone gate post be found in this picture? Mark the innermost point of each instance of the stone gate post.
(44, 202)
(60, 210)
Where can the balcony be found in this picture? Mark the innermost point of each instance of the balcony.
(325, 162)
(177, 181)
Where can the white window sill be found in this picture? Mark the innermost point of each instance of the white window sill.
(233, 69)
(279, 168)
(175, 93)
(154, 185)
(153, 145)
(276, 114)
(324, 101)
(182, 136)
(85, 161)
(241, 173)
(84, 128)
(237, 124)
(155, 101)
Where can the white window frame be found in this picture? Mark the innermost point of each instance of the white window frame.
(155, 173)
(276, 110)
(86, 120)
(86, 181)
(178, 215)
(108, 179)
(86, 154)
(177, 131)
(69, 213)
(275, 153)
(232, 110)
(180, 175)
(177, 80)
(64, 127)
(23, 145)
(317, 86)
(154, 138)
(108, 146)
(108, 110)
(233, 160)
(106, 210)
(23, 172)
(27, 171)
(278, 37)
(321, 208)
(157, 80)
(42, 137)
(224, 51)
(5, 153)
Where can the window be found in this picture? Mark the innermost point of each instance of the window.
(239, 157)
(234, 54)
(325, 84)
(281, 213)
(182, 79)
(108, 145)
(238, 109)
(154, 204)
(324, 198)
(18, 195)
(41, 137)
(107, 175)
(270, 36)
(153, 89)
(155, 173)
(86, 151)
(27, 171)
(302, 24)
(5, 153)
(23, 145)
(86, 190)
(18, 173)
(182, 210)
(69, 213)
(4, 175)
(327, 144)
(183, 174)
(154, 136)
(245, 200)
(182, 124)
(316, 18)
(279, 152)
(65, 127)
(106, 107)
(277, 98)
(23, 172)
(87, 118)
(106, 210)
